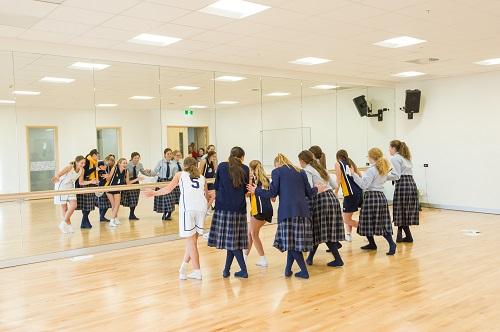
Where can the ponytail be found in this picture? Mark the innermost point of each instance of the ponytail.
(190, 166)
(401, 148)
(308, 157)
(319, 155)
(383, 166)
(343, 156)
(236, 172)
(282, 160)
(260, 173)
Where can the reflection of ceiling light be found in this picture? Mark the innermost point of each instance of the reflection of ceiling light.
(198, 106)
(324, 87)
(228, 102)
(106, 105)
(309, 61)
(400, 42)
(153, 40)
(489, 62)
(141, 97)
(7, 101)
(230, 78)
(88, 66)
(278, 94)
(185, 88)
(234, 8)
(409, 74)
(26, 93)
(63, 80)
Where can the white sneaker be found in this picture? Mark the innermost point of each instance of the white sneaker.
(196, 274)
(348, 237)
(63, 227)
(118, 222)
(69, 228)
(112, 223)
(245, 257)
(182, 272)
(262, 262)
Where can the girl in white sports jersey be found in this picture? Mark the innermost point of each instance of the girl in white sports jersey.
(192, 212)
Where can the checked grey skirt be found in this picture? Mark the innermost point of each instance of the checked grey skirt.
(405, 206)
(294, 234)
(327, 222)
(374, 218)
(228, 230)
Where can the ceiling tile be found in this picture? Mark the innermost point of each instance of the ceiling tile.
(61, 27)
(79, 15)
(109, 33)
(10, 32)
(156, 12)
(92, 42)
(26, 7)
(46, 36)
(216, 37)
(175, 30)
(132, 24)
(186, 4)
(202, 20)
(109, 6)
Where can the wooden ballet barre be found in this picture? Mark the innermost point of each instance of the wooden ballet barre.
(86, 190)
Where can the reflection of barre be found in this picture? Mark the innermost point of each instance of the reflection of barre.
(87, 190)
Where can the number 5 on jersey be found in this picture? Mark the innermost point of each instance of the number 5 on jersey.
(195, 184)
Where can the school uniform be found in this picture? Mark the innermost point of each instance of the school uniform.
(119, 178)
(229, 223)
(260, 208)
(102, 200)
(374, 218)
(192, 205)
(130, 198)
(209, 173)
(352, 193)
(176, 167)
(164, 203)
(294, 232)
(326, 213)
(405, 205)
(66, 182)
(87, 202)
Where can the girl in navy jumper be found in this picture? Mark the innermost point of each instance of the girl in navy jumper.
(294, 233)
(261, 210)
(229, 223)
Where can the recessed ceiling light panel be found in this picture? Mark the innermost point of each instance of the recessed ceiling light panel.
(228, 78)
(88, 66)
(185, 88)
(106, 105)
(234, 8)
(409, 74)
(310, 61)
(7, 101)
(398, 42)
(278, 94)
(228, 102)
(59, 80)
(198, 106)
(141, 97)
(153, 40)
(489, 62)
(26, 93)
(325, 87)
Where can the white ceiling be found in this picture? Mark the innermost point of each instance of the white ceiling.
(459, 32)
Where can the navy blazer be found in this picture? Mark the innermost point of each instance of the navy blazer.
(293, 188)
(229, 198)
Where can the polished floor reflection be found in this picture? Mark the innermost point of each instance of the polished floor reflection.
(447, 280)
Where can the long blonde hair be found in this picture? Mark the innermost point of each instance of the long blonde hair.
(282, 160)
(401, 148)
(383, 166)
(260, 173)
(190, 166)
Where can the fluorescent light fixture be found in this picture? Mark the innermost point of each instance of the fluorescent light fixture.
(88, 66)
(228, 78)
(141, 97)
(278, 94)
(398, 42)
(234, 8)
(324, 87)
(153, 40)
(228, 102)
(309, 61)
(26, 93)
(185, 88)
(198, 106)
(409, 74)
(489, 62)
(63, 80)
(7, 101)
(106, 105)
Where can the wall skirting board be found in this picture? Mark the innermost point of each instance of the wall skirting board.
(460, 208)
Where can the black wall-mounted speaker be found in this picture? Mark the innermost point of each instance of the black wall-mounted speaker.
(412, 101)
(361, 105)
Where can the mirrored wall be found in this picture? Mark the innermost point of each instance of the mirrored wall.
(55, 108)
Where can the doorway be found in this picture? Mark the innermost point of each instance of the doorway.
(179, 138)
(42, 157)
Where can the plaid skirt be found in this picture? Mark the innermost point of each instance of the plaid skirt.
(130, 198)
(103, 202)
(164, 203)
(326, 215)
(177, 194)
(294, 234)
(86, 202)
(405, 205)
(228, 230)
(374, 218)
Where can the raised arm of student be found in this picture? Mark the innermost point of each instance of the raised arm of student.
(167, 189)
(82, 182)
(367, 179)
(62, 172)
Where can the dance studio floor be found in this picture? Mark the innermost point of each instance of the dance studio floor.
(446, 281)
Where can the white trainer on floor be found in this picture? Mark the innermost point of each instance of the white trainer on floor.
(196, 275)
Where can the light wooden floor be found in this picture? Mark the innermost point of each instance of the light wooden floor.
(445, 281)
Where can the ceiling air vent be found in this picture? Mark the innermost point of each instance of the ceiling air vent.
(57, 2)
(423, 61)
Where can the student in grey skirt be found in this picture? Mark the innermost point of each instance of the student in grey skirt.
(229, 223)
(374, 218)
(177, 167)
(405, 204)
(326, 212)
(164, 204)
(130, 198)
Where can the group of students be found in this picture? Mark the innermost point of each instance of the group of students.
(89, 171)
(309, 211)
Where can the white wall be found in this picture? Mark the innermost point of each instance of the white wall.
(458, 134)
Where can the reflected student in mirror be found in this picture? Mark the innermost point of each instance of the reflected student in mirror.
(208, 168)
(118, 177)
(176, 165)
(210, 147)
(89, 176)
(66, 180)
(164, 204)
(130, 198)
(201, 153)
(103, 202)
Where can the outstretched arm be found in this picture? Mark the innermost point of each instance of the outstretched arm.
(167, 189)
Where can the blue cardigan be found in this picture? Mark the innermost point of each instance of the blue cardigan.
(292, 187)
(229, 198)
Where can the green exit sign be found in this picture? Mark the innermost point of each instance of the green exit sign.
(188, 112)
